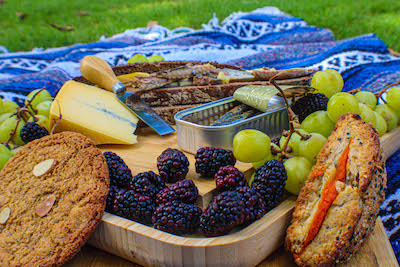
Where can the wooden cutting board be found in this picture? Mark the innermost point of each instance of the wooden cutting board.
(376, 252)
(248, 246)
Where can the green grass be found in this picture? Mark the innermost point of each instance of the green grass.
(107, 17)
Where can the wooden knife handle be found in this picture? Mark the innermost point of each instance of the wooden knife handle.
(99, 72)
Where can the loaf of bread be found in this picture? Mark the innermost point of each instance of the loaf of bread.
(168, 101)
(338, 205)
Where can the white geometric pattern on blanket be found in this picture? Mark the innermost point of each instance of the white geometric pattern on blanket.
(395, 197)
(352, 58)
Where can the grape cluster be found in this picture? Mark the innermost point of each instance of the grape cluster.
(302, 148)
(32, 120)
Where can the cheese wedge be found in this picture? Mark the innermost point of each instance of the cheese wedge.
(93, 112)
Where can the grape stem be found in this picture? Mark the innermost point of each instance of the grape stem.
(379, 94)
(292, 116)
(10, 138)
(29, 104)
(21, 113)
(354, 91)
(59, 118)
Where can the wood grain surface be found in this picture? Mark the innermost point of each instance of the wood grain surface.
(375, 252)
(249, 246)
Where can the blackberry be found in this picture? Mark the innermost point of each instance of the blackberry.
(177, 218)
(225, 212)
(184, 191)
(111, 197)
(172, 165)
(32, 131)
(269, 182)
(120, 174)
(309, 104)
(147, 183)
(228, 178)
(134, 206)
(255, 206)
(210, 159)
(276, 141)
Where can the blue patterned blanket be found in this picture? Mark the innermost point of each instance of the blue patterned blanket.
(263, 37)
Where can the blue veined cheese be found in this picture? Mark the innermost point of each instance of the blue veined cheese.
(93, 112)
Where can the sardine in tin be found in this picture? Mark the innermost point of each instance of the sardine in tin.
(193, 132)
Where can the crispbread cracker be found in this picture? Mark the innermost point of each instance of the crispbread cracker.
(352, 216)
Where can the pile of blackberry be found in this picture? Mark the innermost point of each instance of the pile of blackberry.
(210, 159)
(172, 165)
(309, 104)
(32, 131)
(228, 178)
(269, 182)
(177, 217)
(144, 198)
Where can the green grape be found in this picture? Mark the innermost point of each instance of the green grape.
(366, 113)
(4, 116)
(39, 97)
(15, 150)
(44, 108)
(268, 158)
(341, 103)
(252, 178)
(1, 106)
(367, 98)
(380, 124)
(389, 115)
(311, 147)
(318, 122)
(138, 58)
(338, 77)
(294, 142)
(42, 121)
(5, 155)
(7, 127)
(327, 83)
(298, 169)
(251, 145)
(156, 58)
(9, 106)
(393, 98)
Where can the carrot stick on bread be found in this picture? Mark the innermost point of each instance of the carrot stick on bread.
(338, 205)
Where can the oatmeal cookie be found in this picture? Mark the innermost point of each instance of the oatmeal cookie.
(49, 210)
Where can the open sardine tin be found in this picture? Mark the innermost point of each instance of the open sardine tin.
(193, 130)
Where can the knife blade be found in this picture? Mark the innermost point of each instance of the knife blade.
(100, 72)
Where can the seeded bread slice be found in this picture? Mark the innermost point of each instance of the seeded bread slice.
(168, 101)
(352, 216)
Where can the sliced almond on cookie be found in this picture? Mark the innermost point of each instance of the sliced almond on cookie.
(43, 167)
(4, 215)
(43, 208)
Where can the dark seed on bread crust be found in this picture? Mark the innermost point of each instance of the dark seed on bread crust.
(79, 181)
(352, 216)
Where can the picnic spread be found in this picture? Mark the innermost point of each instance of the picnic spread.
(223, 89)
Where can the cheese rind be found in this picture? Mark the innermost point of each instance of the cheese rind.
(94, 112)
